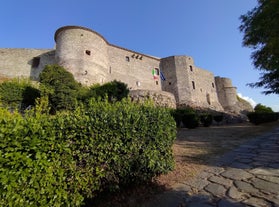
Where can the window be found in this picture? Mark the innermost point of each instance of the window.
(36, 62)
(169, 83)
(213, 85)
(87, 52)
(127, 58)
(157, 82)
(208, 98)
(191, 68)
(193, 84)
(157, 72)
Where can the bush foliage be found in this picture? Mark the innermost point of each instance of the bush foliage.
(262, 114)
(18, 94)
(59, 160)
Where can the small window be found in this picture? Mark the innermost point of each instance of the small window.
(157, 72)
(193, 84)
(127, 58)
(191, 68)
(87, 52)
(157, 82)
(208, 98)
(213, 85)
(36, 62)
(169, 83)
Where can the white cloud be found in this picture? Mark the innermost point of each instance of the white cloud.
(275, 108)
(250, 100)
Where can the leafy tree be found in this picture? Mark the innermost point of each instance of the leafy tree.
(60, 86)
(261, 33)
(262, 109)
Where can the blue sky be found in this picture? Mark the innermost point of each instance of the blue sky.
(207, 30)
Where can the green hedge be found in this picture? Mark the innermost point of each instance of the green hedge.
(262, 117)
(61, 160)
(188, 117)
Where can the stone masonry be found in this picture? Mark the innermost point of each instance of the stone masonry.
(92, 59)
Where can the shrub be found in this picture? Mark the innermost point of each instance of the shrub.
(188, 117)
(262, 117)
(18, 94)
(218, 118)
(206, 119)
(113, 91)
(60, 86)
(60, 160)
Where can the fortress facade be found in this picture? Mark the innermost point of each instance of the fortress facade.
(92, 59)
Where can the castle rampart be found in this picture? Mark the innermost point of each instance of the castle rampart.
(92, 59)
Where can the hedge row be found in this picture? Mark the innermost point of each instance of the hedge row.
(190, 118)
(262, 117)
(61, 160)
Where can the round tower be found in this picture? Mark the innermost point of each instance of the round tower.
(226, 93)
(82, 52)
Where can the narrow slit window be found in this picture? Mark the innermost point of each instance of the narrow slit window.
(127, 58)
(191, 68)
(213, 86)
(193, 84)
(87, 52)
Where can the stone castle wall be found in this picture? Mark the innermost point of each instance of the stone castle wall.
(24, 62)
(133, 68)
(92, 59)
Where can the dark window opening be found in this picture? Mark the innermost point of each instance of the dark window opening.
(157, 82)
(87, 52)
(127, 59)
(191, 68)
(213, 85)
(193, 84)
(169, 83)
(208, 99)
(157, 72)
(36, 62)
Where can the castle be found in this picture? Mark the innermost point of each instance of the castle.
(92, 59)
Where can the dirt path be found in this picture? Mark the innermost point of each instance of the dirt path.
(195, 148)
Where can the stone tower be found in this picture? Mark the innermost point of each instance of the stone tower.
(192, 86)
(226, 93)
(82, 52)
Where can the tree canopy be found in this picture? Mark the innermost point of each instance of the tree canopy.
(261, 33)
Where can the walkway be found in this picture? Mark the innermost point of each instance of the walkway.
(247, 176)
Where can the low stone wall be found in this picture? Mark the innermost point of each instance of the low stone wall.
(160, 98)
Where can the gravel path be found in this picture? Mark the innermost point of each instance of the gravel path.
(247, 176)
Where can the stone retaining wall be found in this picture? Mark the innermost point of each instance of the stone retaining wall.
(160, 98)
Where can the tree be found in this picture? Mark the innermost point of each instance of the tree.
(259, 108)
(60, 86)
(261, 33)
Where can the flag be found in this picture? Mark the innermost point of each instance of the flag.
(162, 76)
